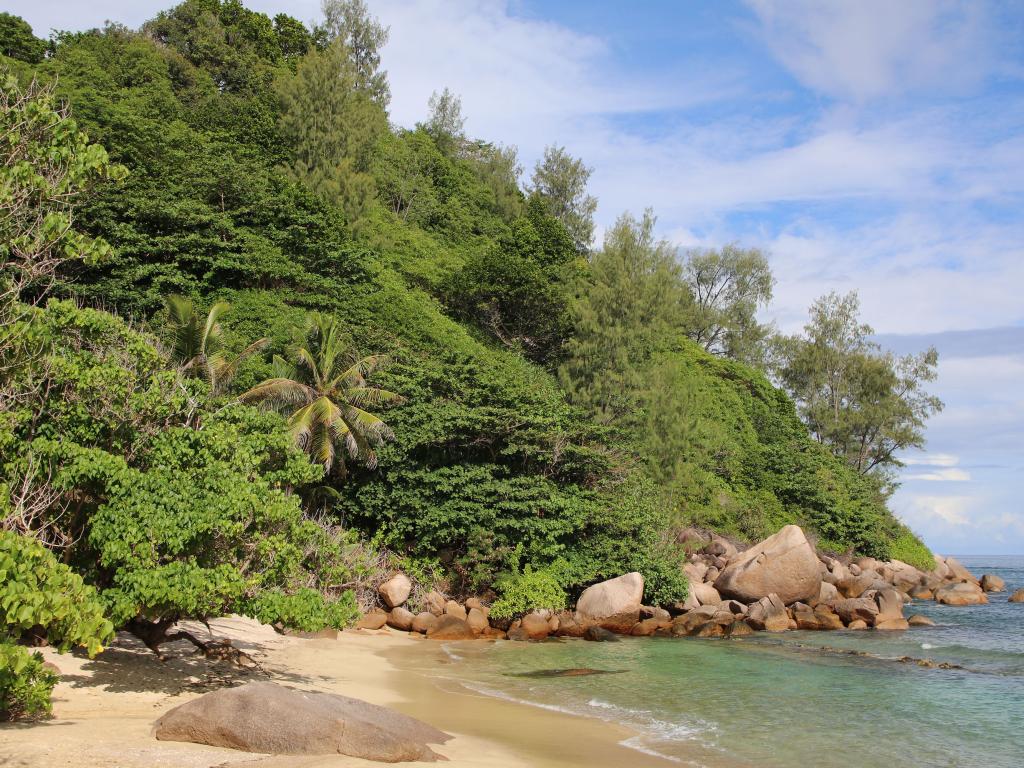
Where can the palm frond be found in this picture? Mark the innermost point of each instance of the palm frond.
(279, 392)
(211, 339)
(355, 375)
(225, 370)
(282, 369)
(360, 396)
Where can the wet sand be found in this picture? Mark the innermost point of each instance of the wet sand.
(104, 708)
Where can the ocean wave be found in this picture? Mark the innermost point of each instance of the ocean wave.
(651, 728)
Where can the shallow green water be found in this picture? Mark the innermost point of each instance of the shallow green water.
(798, 698)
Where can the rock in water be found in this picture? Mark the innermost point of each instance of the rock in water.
(395, 591)
(271, 719)
(784, 564)
(992, 583)
(961, 593)
(614, 604)
(450, 628)
(599, 635)
(1017, 597)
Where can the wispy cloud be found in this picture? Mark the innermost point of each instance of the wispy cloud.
(949, 475)
(875, 48)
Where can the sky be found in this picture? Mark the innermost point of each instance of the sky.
(866, 145)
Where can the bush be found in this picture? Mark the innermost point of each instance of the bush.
(528, 591)
(907, 547)
(43, 600)
(25, 684)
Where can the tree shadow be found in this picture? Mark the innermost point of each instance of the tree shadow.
(128, 666)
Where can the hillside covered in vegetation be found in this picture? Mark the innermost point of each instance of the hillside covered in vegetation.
(262, 346)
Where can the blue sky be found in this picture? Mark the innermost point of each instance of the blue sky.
(869, 145)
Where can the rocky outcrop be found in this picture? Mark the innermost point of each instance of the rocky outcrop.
(992, 583)
(961, 593)
(769, 614)
(705, 594)
(612, 604)
(395, 591)
(271, 719)
(784, 565)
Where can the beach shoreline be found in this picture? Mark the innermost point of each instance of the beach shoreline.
(104, 708)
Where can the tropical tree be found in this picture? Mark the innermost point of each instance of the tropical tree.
(197, 343)
(329, 390)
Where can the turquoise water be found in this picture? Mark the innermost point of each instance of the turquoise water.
(797, 698)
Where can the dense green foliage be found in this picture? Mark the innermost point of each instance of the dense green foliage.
(40, 600)
(553, 420)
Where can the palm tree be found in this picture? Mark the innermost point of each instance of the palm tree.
(197, 343)
(329, 391)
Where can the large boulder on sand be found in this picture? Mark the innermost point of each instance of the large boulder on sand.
(271, 719)
(783, 564)
(395, 591)
(961, 593)
(613, 604)
(400, 618)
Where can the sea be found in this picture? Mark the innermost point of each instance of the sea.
(950, 695)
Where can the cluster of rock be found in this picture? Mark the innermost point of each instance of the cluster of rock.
(778, 584)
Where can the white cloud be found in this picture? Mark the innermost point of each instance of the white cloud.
(931, 460)
(873, 48)
(948, 510)
(941, 475)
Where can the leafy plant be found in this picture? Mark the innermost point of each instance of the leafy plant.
(197, 343)
(25, 684)
(330, 390)
(527, 591)
(40, 600)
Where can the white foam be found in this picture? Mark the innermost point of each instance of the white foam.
(450, 653)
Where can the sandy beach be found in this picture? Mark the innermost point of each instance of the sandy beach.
(104, 708)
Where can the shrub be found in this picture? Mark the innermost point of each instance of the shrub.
(25, 684)
(40, 599)
(907, 547)
(529, 590)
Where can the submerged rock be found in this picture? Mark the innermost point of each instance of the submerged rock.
(917, 620)
(600, 635)
(271, 719)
